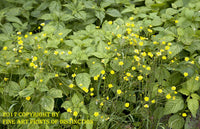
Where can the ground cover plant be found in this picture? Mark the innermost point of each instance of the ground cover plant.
(120, 63)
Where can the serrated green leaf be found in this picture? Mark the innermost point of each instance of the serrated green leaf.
(67, 104)
(84, 110)
(175, 49)
(193, 105)
(47, 103)
(176, 122)
(14, 19)
(195, 96)
(26, 92)
(95, 69)
(13, 88)
(55, 6)
(189, 13)
(192, 85)
(184, 91)
(100, 15)
(23, 83)
(75, 100)
(171, 11)
(55, 93)
(84, 79)
(113, 12)
(173, 106)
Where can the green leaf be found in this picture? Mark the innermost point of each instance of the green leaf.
(47, 102)
(14, 19)
(100, 15)
(14, 11)
(28, 5)
(192, 85)
(67, 104)
(173, 106)
(106, 3)
(84, 79)
(158, 113)
(195, 96)
(26, 92)
(161, 73)
(84, 110)
(66, 17)
(113, 12)
(23, 83)
(55, 93)
(176, 122)
(95, 69)
(75, 100)
(54, 6)
(157, 21)
(13, 88)
(184, 91)
(189, 13)
(52, 43)
(81, 15)
(90, 4)
(46, 17)
(193, 105)
(171, 11)
(175, 49)
(3, 37)
(89, 126)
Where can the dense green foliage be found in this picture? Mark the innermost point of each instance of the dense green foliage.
(121, 63)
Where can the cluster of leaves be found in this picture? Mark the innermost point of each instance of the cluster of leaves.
(120, 63)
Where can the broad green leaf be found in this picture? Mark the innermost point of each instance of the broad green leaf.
(173, 106)
(26, 92)
(176, 122)
(81, 15)
(66, 17)
(171, 11)
(14, 11)
(28, 5)
(23, 83)
(14, 19)
(113, 12)
(89, 125)
(46, 17)
(184, 91)
(47, 103)
(90, 4)
(67, 104)
(175, 49)
(193, 105)
(106, 3)
(54, 6)
(3, 37)
(75, 100)
(189, 13)
(84, 110)
(95, 69)
(52, 43)
(158, 113)
(100, 15)
(195, 96)
(161, 73)
(156, 22)
(83, 79)
(55, 93)
(13, 88)
(192, 85)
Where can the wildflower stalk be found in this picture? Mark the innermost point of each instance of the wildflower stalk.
(98, 88)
